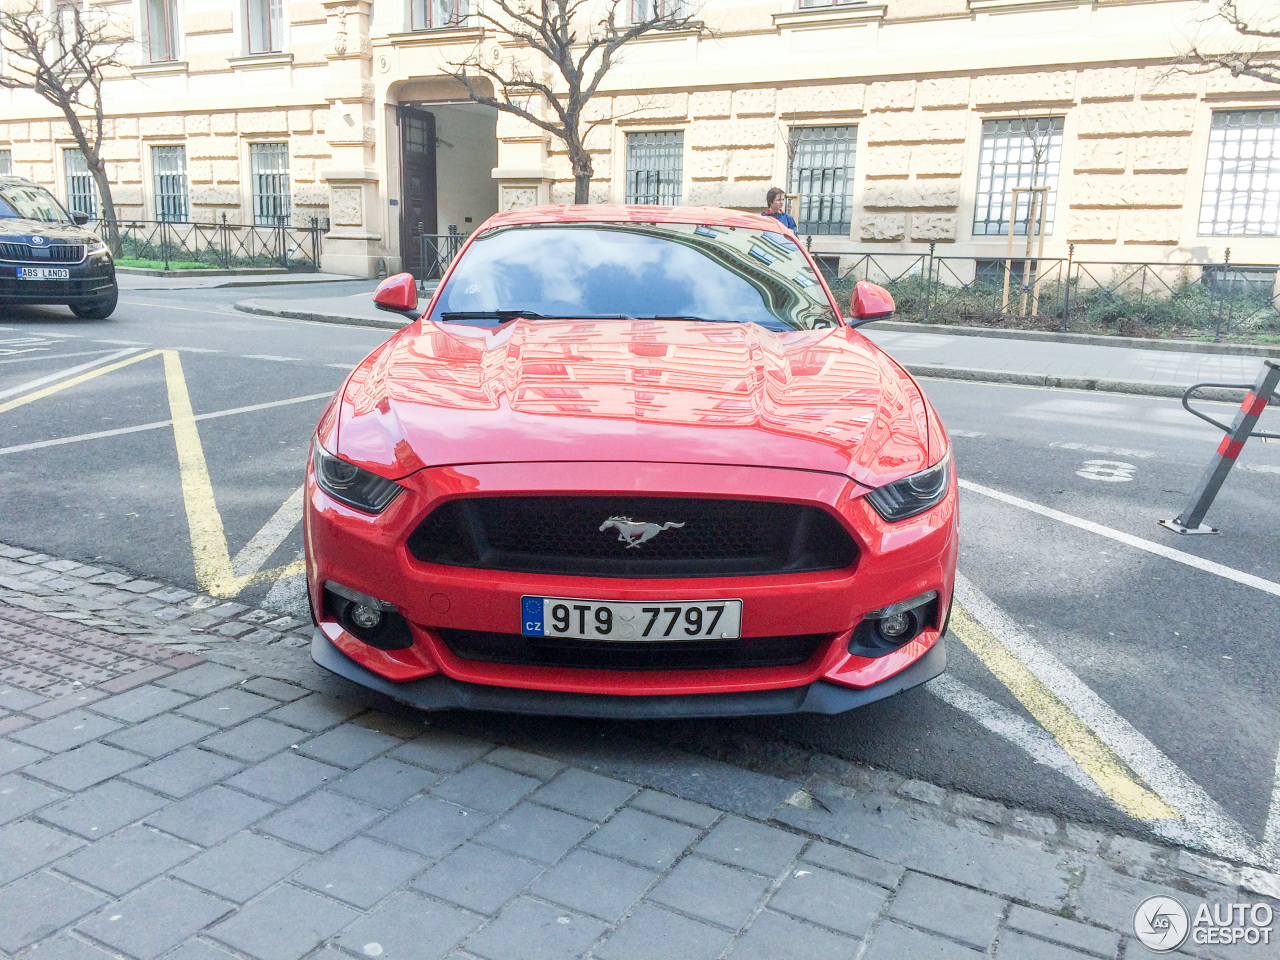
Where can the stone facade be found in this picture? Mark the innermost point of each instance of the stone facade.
(916, 82)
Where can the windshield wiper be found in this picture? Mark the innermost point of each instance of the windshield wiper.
(504, 316)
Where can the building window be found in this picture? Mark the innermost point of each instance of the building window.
(162, 30)
(655, 167)
(822, 175)
(82, 192)
(169, 170)
(810, 4)
(6, 163)
(435, 14)
(1021, 152)
(264, 20)
(269, 170)
(1242, 178)
(1237, 282)
(642, 10)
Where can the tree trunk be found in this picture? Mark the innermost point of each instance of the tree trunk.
(581, 161)
(96, 168)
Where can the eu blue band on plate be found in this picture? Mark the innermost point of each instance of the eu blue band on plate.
(531, 616)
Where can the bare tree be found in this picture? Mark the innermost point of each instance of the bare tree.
(62, 55)
(559, 37)
(1256, 52)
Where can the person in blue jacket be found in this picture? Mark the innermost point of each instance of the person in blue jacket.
(776, 200)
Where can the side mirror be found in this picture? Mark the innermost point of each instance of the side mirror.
(80, 217)
(398, 294)
(870, 302)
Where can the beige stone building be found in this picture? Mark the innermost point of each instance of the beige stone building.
(894, 124)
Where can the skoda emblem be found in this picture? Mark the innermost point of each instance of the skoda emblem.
(635, 532)
(37, 240)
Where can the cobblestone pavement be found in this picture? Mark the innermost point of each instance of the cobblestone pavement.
(178, 780)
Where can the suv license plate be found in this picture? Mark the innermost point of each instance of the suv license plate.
(44, 273)
(648, 620)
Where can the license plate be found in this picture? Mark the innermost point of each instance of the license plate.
(44, 273)
(649, 620)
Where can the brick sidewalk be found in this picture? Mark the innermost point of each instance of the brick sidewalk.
(257, 807)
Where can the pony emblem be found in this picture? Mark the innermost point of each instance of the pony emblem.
(633, 532)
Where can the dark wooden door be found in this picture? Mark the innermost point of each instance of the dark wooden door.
(418, 185)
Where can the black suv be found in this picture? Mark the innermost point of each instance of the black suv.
(47, 256)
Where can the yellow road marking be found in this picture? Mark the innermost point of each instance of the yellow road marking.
(214, 571)
(1096, 759)
(53, 388)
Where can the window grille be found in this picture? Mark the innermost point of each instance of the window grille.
(264, 21)
(82, 193)
(822, 174)
(269, 170)
(1242, 178)
(6, 163)
(655, 167)
(642, 10)
(436, 14)
(169, 170)
(1020, 152)
(162, 30)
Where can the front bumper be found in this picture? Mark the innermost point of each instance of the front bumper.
(89, 282)
(442, 693)
(368, 554)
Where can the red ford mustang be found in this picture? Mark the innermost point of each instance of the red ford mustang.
(631, 462)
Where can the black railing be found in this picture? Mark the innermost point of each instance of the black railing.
(169, 245)
(438, 251)
(1191, 300)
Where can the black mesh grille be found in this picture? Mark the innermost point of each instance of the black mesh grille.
(512, 648)
(57, 253)
(702, 538)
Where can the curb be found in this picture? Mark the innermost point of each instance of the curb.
(247, 637)
(1145, 388)
(200, 272)
(270, 280)
(259, 308)
(1093, 339)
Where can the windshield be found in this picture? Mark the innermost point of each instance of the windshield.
(29, 202)
(639, 271)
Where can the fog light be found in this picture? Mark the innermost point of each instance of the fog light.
(896, 625)
(365, 617)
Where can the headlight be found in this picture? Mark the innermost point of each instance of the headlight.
(352, 485)
(97, 246)
(914, 494)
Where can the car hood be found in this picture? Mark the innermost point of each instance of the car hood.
(14, 228)
(633, 390)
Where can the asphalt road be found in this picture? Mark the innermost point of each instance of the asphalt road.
(1181, 656)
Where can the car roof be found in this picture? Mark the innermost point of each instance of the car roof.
(618, 213)
(12, 178)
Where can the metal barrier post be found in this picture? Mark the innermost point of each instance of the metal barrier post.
(928, 281)
(1240, 430)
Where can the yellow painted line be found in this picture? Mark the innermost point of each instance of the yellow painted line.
(214, 570)
(53, 388)
(1094, 757)
(208, 538)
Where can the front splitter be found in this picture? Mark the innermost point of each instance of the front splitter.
(443, 693)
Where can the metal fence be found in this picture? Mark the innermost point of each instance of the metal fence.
(1191, 300)
(438, 251)
(167, 245)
